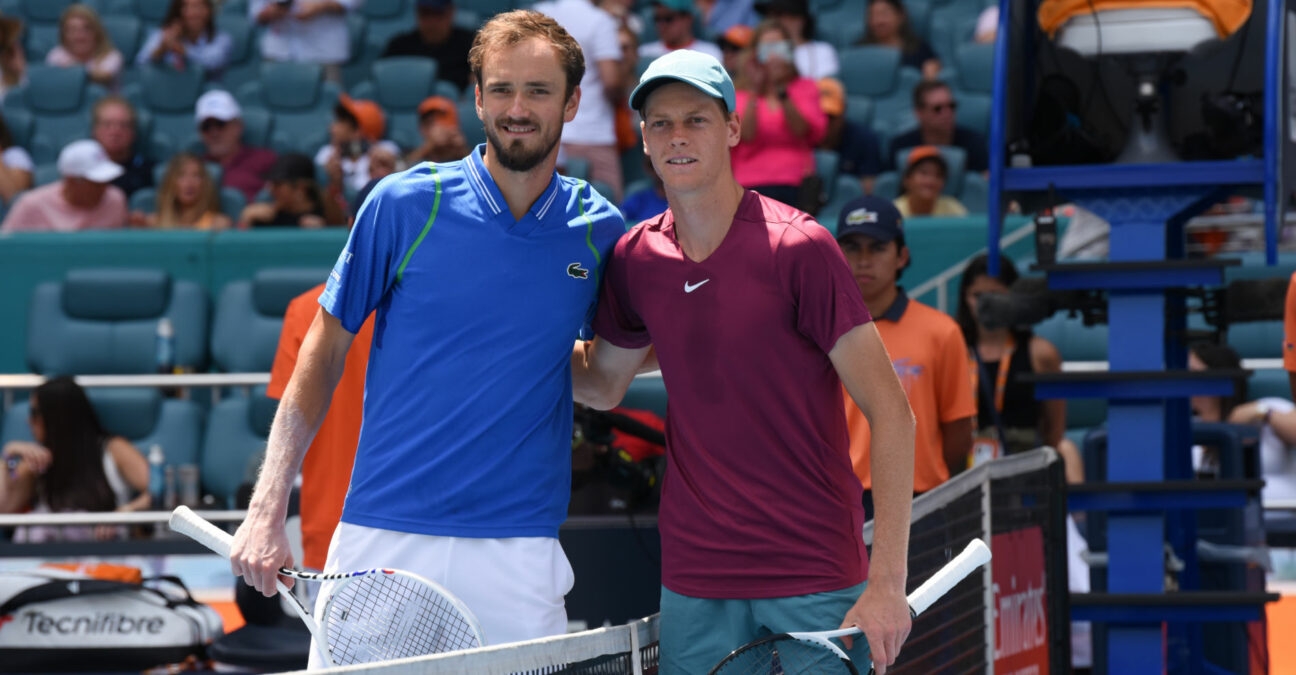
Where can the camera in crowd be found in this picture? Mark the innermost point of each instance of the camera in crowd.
(1030, 301)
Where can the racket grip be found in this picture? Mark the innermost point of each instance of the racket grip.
(190, 524)
(975, 555)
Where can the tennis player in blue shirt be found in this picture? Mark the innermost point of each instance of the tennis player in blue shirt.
(483, 272)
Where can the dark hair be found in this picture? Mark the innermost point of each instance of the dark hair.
(925, 87)
(980, 267)
(343, 114)
(900, 243)
(511, 28)
(908, 39)
(114, 99)
(6, 138)
(1223, 357)
(176, 6)
(75, 480)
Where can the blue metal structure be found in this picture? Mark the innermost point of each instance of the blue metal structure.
(1151, 495)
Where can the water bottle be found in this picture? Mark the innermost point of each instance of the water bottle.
(157, 475)
(165, 346)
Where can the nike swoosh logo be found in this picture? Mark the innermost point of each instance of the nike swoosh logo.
(689, 288)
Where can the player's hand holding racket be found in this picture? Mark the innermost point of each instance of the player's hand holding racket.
(815, 654)
(368, 615)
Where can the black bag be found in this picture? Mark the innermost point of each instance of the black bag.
(52, 621)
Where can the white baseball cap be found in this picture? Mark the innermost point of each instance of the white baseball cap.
(87, 159)
(217, 104)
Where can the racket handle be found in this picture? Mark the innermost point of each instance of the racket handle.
(190, 524)
(975, 555)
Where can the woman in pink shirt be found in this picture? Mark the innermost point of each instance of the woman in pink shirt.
(781, 119)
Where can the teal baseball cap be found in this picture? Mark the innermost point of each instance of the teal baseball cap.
(685, 65)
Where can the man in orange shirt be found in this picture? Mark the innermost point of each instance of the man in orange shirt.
(326, 470)
(925, 345)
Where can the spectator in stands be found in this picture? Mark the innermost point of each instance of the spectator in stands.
(624, 13)
(592, 135)
(935, 108)
(13, 57)
(305, 31)
(296, 198)
(815, 59)
(887, 24)
(113, 123)
(732, 44)
(781, 120)
(72, 465)
(84, 199)
(437, 38)
(84, 42)
(674, 22)
(626, 122)
(921, 186)
(326, 470)
(16, 166)
(1009, 418)
(220, 126)
(357, 125)
(925, 345)
(384, 160)
(648, 201)
(443, 140)
(721, 15)
(188, 36)
(188, 197)
(857, 147)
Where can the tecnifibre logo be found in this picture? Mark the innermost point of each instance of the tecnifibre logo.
(98, 623)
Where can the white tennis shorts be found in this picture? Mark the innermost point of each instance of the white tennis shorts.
(515, 587)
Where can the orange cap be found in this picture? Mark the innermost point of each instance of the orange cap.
(832, 96)
(739, 36)
(922, 152)
(441, 106)
(369, 116)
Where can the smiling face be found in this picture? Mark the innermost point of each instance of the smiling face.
(925, 181)
(688, 137)
(521, 105)
(79, 38)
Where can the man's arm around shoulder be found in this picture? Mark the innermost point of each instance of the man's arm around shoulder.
(260, 544)
(602, 371)
(865, 369)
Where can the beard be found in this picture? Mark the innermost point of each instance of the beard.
(516, 156)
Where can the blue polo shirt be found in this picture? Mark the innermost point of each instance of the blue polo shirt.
(468, 403)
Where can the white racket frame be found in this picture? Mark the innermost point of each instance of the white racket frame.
(190, 524)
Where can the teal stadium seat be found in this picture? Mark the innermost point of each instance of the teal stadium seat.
(975, 65)
(646, 393)
(104, 321)
(59, 100)
(952, 24)
(827, 164)
(236, 7)
(245, 57)
(151, 12)
(126, 33)
(871, 71)
(1269, 382)
(237, 429)
(859, 109)
(21, 126)
(471, 127)
(169, 95)
(142, 416)
(845, 188)
(385, 18)
(399, 84)
(356, 69)
(300, 100)
(975, 194)
(1257, 340)
(1075, 341)
(249, 316)
(44, 174)
(841, 26)
(974, 111)
(41, 18)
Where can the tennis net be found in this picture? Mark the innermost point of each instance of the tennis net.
(955, 636)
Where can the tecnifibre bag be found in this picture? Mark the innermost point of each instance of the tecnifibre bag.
(53, 620)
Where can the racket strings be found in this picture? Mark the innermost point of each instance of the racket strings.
(388, 616)
(783, 656)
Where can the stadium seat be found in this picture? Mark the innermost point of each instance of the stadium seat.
(826, 166)
(974, 111)
(45, 173)
(42, 18)
(104, 321)
(841, 26)
(126, 33)
(356, 69)
(234, 7)
(975, 65)
(893, 111)
(950, 26)
(151, 12)
(59, 100)
(847, 188)
(245, 55)
(873, 71)
(1257, 340)
(399, 84)
(237, 428)
(300, 100)
(142, 416)
(646, 393)
(1073, 339)
(249, 317)
(385, 18)
(170, 95)
(232, 201)
(975, 195)
(469, 124)
(1269, 382)
(21, 126)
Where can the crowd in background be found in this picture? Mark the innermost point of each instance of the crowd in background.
(790, 97)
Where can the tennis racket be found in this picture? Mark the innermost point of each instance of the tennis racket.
(814, 653)
(371, 615)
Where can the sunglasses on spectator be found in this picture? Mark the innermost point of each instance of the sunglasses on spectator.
(667, 17)
(940, 107)
(212, 124)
